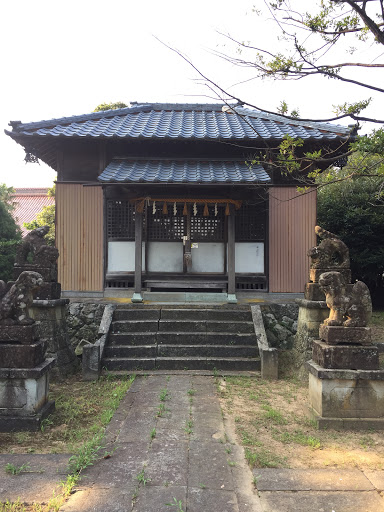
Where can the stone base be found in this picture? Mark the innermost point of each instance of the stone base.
(26, 423)
(24, 395)
(315, 273)
(347, 357)
(334, 335)
(50, 316)
(346, 397)
(48, 273)
(346, 423)
(312, 291)
(20, 334)
(22, 356)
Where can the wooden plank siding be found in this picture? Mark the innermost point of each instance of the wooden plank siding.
(292, 219)
(79, 237)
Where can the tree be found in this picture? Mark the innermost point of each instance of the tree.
(310, 41)
(346, 208)
(46, 217)
(110, 106)
(10, 234)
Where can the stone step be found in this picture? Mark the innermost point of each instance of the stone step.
(207, 363)
(221, 351)
(135, 326)
(116, 363)
(182, 363)
(136, 314)
(206, 314)
(206, 338)
(140, 351)
(206, 326)
(132, 338)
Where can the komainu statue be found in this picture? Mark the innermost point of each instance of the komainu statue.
(352, 309)
(331, 253)
(15, 303)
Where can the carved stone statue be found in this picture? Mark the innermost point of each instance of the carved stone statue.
(30, 246)
(35, 255)
(330, 253)
(15, 303)
(349, 309)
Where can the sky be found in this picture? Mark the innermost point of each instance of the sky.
(65, 58)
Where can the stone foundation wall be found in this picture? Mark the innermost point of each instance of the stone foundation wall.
(83, 321)
(280, 323)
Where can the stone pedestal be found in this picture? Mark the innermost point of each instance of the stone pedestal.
(24, 397)
(311, 314)
(334, 335)
(50, 317)
(346, 399)
(346, 357)
(13, 355)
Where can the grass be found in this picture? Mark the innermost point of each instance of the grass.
(11, 469)
(83, 410)
(272, 422)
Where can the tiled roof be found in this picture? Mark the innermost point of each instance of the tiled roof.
(181, 171)
(179, 121)
(28, 203)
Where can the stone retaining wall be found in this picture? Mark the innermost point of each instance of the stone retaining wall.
(83, 320)
(280, 323)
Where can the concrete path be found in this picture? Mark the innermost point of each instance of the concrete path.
(173, 451)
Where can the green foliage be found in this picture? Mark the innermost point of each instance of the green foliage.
(45, 218)
(10, 234)
(110, 106)
(352, 209)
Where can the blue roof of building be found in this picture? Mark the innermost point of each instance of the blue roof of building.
(182, 171)
(180, 121)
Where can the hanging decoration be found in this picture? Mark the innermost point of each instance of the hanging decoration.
(141, 201)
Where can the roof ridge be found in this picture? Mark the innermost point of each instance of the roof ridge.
(133, 108)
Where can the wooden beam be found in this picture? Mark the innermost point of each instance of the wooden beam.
(137, 297)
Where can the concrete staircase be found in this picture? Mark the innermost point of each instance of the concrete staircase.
(182, 338)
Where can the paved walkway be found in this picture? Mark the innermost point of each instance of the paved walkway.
(172, 450)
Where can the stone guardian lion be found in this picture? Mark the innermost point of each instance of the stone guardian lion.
(352, 309)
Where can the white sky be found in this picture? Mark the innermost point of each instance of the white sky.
(64, 58)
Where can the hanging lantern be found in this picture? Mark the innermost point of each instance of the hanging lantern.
(154, 208)
(216, 210)
(206, 211)
(174, 208)
(165, 209)
(227, 210)
(194, 209)
(185, 209)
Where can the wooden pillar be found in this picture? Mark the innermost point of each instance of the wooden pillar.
(231, 257)
(137, 297)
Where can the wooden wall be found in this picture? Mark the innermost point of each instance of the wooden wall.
(79, 237)
(292, 219)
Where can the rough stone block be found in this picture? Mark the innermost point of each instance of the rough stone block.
(315, 273)
(48, 291)
(22, 334)
(22, 356)
(352, 357)
(312, 291)
(333, 335)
